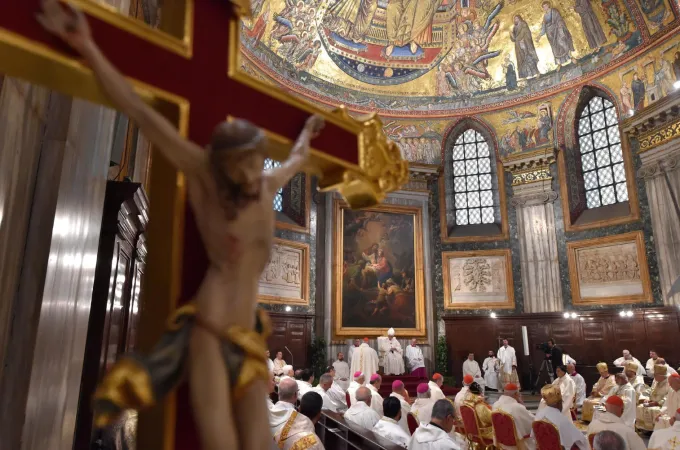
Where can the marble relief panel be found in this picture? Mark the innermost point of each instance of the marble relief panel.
(286, 277)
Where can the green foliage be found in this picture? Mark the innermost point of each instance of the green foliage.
(317, 350)
(441, 358)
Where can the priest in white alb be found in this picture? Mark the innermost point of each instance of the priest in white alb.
(471, 367)
(342, 372)
(394, 355)
(281, 411)
(508, 364)
(388, 426)
(490, 368)
(415, 360)
(364, 360)
(567, 391)
(511, 404)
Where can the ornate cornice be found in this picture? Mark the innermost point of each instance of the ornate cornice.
(536, 198)
(655, 125)
(659, 136)
(532, 169)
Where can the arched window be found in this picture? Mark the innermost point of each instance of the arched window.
(474, 199)
(278, 198)
(604, 174)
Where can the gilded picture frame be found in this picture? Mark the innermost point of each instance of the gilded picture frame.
(296, 248)
(500, 256)
(343, 328)
(579, 280)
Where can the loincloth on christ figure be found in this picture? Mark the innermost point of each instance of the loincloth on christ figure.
(139, 381)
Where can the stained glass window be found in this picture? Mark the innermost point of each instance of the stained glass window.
(278, 198)
(604, 175)
(472, 179)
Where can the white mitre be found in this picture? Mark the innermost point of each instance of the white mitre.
(390, 332)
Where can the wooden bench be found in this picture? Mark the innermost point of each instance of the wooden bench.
(338, 434)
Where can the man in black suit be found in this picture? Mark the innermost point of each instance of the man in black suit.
(555, 355)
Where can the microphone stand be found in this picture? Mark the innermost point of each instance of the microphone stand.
(291, 355)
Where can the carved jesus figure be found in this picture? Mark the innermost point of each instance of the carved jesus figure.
(216, 336)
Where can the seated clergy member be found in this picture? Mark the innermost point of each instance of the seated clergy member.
(336, 392)
(279, 364)
(462, 394)
(649, 367)
(627, 357)
(341, 371)
(510, 403)
(669, 370)
(471, 367)
(376, 398)
(399, 391)
(567, 391)
(579, 385)
(435, 435)
(388, 426)
(609, 440)
(475, 400)
(625, 392)
(360, 413)
(270, 363)
(667, 438)
(612, 421)
(325, 383)
(600, 389)
(394, 355)
(671, 405)
(305, 382)
(281, 411)
(422, 407)
(359, 380)
(272, 388)
(648, 411)
(436, 387)
(635, 380)
(287, 373)
(415, 359)
(298, 432)
(569, 434)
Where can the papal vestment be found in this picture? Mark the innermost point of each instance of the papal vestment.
(508, 359)
(362, 414)
(298, 434)
(668, 410)
(489, 366)
(602, 388)
(646, 415)
(376, 400)
(405, 409)
(392, 431)
(431, 437)
(341, 374)
(609, 422)
(415, 360)
(523, 420)
(568, 391)
(436, 392)
(394, 357)
(364, 360)
(666, 439)
(569, 434)
(422, 409)
(472, 368)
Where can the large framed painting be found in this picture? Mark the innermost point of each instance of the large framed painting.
(378, 278)
(609, 270)
(286, 277)
(479, 279)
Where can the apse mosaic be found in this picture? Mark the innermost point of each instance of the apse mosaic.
(428, 57)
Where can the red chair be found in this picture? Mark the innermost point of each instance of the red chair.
(504, 429)
(472, 427)
(457, 424)
(347, 398)
(547, 436)
(412, 422)
(591, 439)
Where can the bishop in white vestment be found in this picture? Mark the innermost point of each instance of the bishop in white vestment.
(626, 393)
(672, 403)
(399, 391)
(357, 382)
(360, 412)
(376, 398)
(436, 387)
(612, 420)
(394, 355)
(667, 438)
(627, 357)
(509, 403)
(365, 360)
(342, 372)
(553, 413)
(459, 399)
(415, 360)
(471, 367)
(422, 407)
(490, 367)
(508, 360)
(567, 391)
(648, 411)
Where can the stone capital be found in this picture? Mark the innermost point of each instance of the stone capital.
(530, 168)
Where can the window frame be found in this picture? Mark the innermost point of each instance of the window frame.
(579, 219)
(477, 232)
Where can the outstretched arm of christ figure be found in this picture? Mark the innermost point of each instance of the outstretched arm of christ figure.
(298, 155)
(72, 27)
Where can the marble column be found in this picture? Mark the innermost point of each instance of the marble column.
(660, 166)
(533, 199)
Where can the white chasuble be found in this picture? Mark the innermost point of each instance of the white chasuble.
(364, 360)
(666, 439)
(522, 417)
(394, 358)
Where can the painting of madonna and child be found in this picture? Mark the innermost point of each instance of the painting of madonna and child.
(380, 283)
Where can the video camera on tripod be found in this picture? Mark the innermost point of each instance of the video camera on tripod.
(546, 366)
